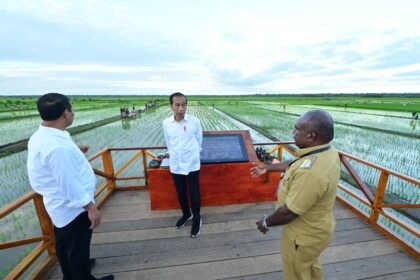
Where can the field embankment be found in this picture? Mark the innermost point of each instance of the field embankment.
(21, 145)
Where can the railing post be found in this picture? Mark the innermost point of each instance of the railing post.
(379, 195)
(109, 169)
(280, 152)
(143, 154)
(45, 223)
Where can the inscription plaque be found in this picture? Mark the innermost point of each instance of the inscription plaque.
(221, 148)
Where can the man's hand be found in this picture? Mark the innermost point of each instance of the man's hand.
(95, 218)
(93, 214)
(84, 148)
(261, 227)
(258, 169)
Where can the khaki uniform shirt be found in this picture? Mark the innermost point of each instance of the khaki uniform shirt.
(308, 188)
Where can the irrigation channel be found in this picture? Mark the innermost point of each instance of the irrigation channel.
(264, 124)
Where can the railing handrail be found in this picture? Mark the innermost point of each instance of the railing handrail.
(110, 186)
(10, 207)
(378, 167)
(375, 202)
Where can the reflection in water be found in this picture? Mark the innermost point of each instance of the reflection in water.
(125, 123)
(414, 123)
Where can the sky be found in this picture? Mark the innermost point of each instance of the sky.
(209, 46)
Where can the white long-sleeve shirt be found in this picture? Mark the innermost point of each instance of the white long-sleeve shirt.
(183, 140)
(60, 172)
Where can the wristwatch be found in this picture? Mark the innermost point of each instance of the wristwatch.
(264, 222)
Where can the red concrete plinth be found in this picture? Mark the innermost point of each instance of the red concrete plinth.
(220, 184)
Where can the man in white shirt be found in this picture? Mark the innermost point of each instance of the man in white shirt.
(183, 136)
(59, 172)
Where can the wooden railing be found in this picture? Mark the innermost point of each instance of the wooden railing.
(102, 194)
(374, 201)
(46, 239)
(112, 177)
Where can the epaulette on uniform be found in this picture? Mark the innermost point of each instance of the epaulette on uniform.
(307, 163)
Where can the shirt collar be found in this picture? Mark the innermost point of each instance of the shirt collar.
(54, 131)
(186, 118)
(301, 152)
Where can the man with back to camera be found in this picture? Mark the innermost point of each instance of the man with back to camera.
(183, 137)
(60, 172)
(306, 197)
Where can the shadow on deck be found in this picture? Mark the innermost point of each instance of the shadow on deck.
(134, 242)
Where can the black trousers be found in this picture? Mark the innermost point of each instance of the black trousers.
(192, 181)
(72, 244)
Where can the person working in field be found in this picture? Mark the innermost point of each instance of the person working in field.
(306, 197)
(60, 172)
(183, 137)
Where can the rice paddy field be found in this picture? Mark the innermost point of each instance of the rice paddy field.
(388, 137)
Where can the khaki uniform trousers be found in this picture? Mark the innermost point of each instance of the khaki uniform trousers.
(301, 262)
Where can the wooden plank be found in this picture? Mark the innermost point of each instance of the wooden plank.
(123, 198)
(396, 266)
(245, 209)
(224, 238)
(146, 234)
(101, 203)
(170, 232)
(126, 198)
(202, 270)
(233, 247)
(372, 267)
(137, 215)
(168, 258)
(249, 265)
(255, 214)
(406, 275)
(179, 243)
(342, 213)
(134, 213)
(121, 209)
(250, 213)
(130, 188)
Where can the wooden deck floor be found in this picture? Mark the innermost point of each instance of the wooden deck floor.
(135, 243)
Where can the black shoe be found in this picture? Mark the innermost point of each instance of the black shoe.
(107, 277)
(92, 263)
(181, 222)
(196, 228)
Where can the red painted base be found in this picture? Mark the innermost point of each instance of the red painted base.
(220, 184)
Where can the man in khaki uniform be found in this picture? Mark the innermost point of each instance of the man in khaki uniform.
(306, 197)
